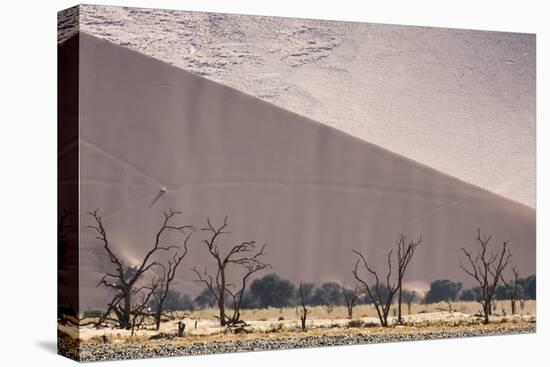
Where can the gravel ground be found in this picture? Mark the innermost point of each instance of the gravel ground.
(132, 350)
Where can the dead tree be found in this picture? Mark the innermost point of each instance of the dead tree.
(409, 297)
(514, 289)
(350, 299)
(246, 256)
(123, 279)
(405, 252)
(486, 268)
(140, 300)
(237, 293)
(382, 302)
(166, 279)
(305, 311)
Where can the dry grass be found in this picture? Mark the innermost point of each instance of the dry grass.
(361, 311)
(315, 331)
(202, 325)
(337, 331)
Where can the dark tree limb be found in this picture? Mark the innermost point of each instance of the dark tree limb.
(166, 280)
(405, 252)
(486, 268)
(513, 288)
(123, 280)
(303, 316)
(382, 303)
(245, 255)
(350, 297)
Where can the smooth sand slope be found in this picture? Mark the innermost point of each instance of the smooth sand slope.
(386, 84)
(312, 192)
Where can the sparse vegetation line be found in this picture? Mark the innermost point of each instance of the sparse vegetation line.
(143, 296)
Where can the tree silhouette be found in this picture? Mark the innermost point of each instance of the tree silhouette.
(405, 252)
(303, 295)
(272, 291)
(486, 268)
(382, 302)
(350, 296)
(246, 256)
(130, 299)
(409, 297)
(165, 280)
(514, 288)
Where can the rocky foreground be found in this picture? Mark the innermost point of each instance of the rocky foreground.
(132, 350)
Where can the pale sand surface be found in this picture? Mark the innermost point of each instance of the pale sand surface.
(310, 191)
(267, 320)
(403, 88)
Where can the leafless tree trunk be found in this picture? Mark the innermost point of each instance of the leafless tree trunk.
(125, 278)
(409, 297)
(382, 303)
(513, 288)
(486, 268)
(245, 255)
(166, 279)
(350, 299)
(140, 299)
(405, 252)
(303, 316)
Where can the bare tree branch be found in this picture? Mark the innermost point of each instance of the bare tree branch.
(405, 252)
(305, 311)
(167, 278)
(514, 288)
(245, 255)
(486, 268)
(382, 302)
(124, 280)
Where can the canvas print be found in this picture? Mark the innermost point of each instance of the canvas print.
(234, 183)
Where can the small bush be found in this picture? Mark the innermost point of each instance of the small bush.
(356, 323)
(274, 328)
(371, 324)
(93, 313)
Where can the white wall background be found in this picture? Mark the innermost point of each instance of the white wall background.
(28, 161)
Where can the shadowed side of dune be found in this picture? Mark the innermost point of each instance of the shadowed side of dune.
(312, 192)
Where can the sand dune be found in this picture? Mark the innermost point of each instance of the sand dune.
(312, 192)
(387, 84)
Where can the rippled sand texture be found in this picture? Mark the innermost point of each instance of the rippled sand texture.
(460, 101)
